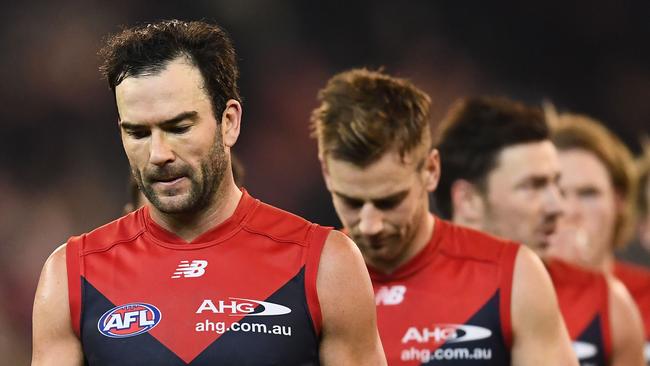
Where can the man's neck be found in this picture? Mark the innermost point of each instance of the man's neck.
(190, 226)
(607, 264)
(419, 241)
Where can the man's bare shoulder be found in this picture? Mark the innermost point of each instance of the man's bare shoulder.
(340, 258)
(345, 293)
(55, 265)
(54, 339)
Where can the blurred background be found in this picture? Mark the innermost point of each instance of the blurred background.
(62, 168)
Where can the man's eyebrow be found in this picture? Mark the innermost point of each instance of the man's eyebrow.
(394, 196)
(348, 198)
(172, 121)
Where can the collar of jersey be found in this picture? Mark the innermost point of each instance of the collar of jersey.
(213, 236)
(421, 259)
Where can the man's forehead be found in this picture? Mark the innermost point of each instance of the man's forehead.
(527, 159)
(160, 96)
(377, 181)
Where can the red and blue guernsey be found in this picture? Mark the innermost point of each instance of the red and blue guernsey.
(450, 304)
(583, 296)
(243, 293)
(637, 281)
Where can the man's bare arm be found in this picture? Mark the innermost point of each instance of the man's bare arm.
(627, 331)
(539, 334)
(54, 341)
(349, 333)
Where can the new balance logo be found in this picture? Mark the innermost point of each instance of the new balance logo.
(390, 295)
(187, 269)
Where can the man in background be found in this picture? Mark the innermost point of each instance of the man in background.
(444, 294)
(599, 183)
(501, 176)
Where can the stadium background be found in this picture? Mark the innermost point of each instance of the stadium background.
(62, 168)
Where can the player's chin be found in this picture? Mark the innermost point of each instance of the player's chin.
(175, 204)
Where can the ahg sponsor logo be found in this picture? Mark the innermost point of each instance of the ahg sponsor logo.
(446, 333)
(129, 320)
(237, 306)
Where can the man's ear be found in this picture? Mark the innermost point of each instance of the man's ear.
(431, 170)
(231, 122)
(325, 170)
(468, 203)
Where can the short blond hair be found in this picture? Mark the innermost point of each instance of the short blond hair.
(364, 114)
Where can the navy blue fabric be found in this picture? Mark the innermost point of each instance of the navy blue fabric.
(593, 335)
(232, 348)
(482, 352)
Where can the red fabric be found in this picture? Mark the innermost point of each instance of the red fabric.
(582, 295)
(250, 256)
(318, 237)
(508, 268)
(448, 282)
(74, 284)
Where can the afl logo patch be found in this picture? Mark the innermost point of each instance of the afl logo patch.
(129, 320)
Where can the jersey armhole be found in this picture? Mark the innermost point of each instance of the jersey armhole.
(72, 252)
(606, 327)
(508, 259)
(317, 237)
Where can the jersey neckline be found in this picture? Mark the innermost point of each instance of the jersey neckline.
(213, 236)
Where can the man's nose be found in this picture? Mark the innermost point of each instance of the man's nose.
(554, 204)
(371, 220)
(160, 153)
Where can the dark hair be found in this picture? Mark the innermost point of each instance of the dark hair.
(363, 114)
(147, 49)
(473, 134)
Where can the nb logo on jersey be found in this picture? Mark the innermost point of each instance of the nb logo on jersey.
(187, 269)
(390, 295)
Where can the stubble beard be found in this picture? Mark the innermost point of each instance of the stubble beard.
(203, 189)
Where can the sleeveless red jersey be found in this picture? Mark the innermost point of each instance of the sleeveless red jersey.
(450, 304)
(583, 296)
(243, 293)
(637, 281)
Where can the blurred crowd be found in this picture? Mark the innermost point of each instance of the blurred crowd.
(62, 171)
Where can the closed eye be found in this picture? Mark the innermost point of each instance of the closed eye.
(178, 129)
(137, 133)
(390, 202)
(352, 203)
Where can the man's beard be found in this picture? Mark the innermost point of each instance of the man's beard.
(202, 189)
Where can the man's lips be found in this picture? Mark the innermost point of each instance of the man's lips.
(167, 181)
